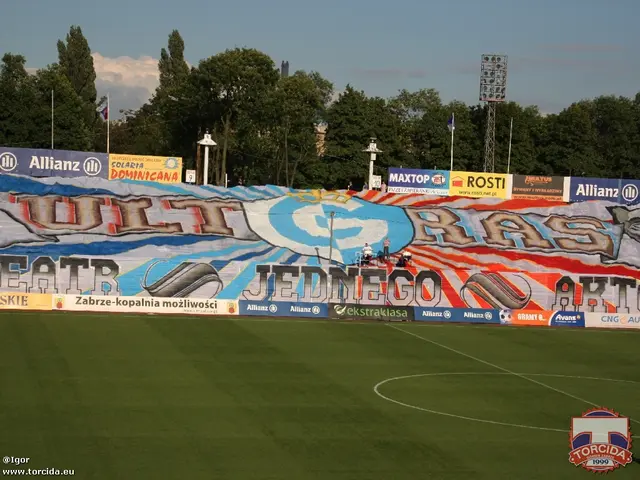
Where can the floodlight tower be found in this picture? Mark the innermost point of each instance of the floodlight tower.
(493, 90)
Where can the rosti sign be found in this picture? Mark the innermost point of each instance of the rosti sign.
(471, 184)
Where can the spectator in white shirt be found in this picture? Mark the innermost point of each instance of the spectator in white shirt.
(367, 253)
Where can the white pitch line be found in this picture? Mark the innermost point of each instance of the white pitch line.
(497, 367)
(376, 390)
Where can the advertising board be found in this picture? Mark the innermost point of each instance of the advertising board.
(284, 309)
(145, 168)
(542, 318)
(479, 185)
(53, 163)
(612, 320)
(456, 315)
(533, 187)
(176, 306)
(348, 311)
(625, 192)
(429, 182)
(25, 301)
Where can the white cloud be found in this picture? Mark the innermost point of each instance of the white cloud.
(130, 82)
(126, 71)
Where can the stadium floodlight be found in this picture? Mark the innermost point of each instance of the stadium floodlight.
(493, 90)
(493, 78)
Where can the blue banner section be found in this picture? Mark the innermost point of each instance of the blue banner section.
(284, 309)
(431, 182)
(53, 163)
(625, 192)
(456, 315)
(567, 319)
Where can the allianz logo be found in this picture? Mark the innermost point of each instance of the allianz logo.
(300, 309)
(628, 192)
(436, 314)
(91, 166)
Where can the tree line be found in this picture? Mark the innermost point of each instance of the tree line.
(291, 130)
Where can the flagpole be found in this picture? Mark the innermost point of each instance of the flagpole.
(52, 107)
(453, 129)
(108, 121)
(510, 137)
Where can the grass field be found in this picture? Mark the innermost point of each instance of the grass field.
(155, 397)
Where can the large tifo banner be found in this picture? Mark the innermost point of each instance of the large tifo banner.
(95, 244)
(145, 168)
(53, 163)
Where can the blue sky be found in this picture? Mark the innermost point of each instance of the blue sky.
(559, 51)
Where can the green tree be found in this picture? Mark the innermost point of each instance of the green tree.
(76, 62)
(571, 143)
(174, 70)
(423, 127)
(17, 101)
(223, 87)
(70, 129)
(293, 108)
(353, 119)
(618, 143)
(172, 132)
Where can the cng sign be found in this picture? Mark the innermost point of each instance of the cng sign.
(479, 185)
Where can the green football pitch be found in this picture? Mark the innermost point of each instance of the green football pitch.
(137, 397)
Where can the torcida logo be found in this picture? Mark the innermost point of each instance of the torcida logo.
(600, 440)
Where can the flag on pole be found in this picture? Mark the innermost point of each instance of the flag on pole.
(452, 123)
(104, 112)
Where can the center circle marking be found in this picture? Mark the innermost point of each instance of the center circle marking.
(376, 389)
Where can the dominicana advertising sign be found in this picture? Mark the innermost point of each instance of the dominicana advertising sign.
(429, 182)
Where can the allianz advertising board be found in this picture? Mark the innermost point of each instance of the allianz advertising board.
(428, 182)
(626, 192)
(53, 163)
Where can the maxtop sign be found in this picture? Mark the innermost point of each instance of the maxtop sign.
(53, 163)
(472, 184)
(621, 191)
(429, 182)
(145, 168)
